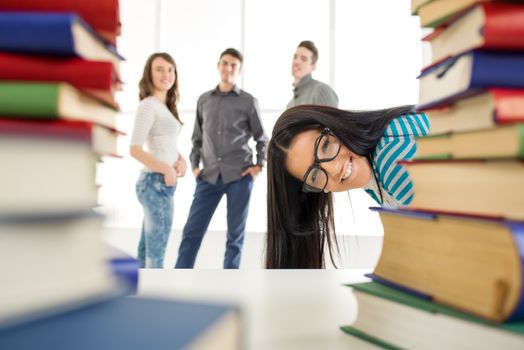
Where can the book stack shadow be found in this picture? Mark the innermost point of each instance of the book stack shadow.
(451, 271)
(62, 287)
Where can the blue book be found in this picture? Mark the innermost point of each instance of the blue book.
(468, 263)
(61, 33)
(132, 323)
(468, 74)
(124, 267)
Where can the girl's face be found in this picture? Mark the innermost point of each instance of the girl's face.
(346, 171)
(162, 74)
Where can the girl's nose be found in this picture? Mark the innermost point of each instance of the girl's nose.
(332, 168)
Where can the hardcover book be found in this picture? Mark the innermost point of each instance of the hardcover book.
(51, 263)
(499, 142)
(46, 173)
(468, 74)
(467, 263)
(103, 141)
(479, 112)
(492, 188)
(494, 26)
(133, 323)
(397, 320)
(102, 15)
(48, 101)
(97, 78)
(440, 12)
(53, 33)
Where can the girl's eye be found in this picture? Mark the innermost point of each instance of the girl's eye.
(325, 145)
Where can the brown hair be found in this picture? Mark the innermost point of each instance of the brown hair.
(311, 47)
(233, 52)
(146, 83)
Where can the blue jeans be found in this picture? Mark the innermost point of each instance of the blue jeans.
(205, 201)
(157, 201)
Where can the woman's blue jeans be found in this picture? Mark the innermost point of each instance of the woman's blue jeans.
(157, 201)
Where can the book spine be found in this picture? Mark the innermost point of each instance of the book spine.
(496, 69)
(509, 105)
(504, 26)
(31, 100)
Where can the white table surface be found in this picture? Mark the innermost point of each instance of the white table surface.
(283, 309)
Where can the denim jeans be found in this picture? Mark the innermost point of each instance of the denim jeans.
(205, 201)
(157, 201)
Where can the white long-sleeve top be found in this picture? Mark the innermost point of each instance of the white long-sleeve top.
(158, 128)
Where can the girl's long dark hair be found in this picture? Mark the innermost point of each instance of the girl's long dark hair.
(301, 224)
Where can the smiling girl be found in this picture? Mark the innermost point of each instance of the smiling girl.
(157, 125)
(316, 150)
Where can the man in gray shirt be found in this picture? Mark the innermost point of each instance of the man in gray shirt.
(308, 90)
(227, 117)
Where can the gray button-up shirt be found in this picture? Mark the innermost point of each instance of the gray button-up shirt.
(313, 92)
(225, 121)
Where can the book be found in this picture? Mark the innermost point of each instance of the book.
(469, 74)
(482, 111)
(46, 173)
(103, 140)
(439, 12)
(417, 4)
(495, 26)
(97, 78)
(124, 267)
(400, 320)
(51, 263)
(102, 15)
(47, 101)
(53, 33)
(471, 264)
(501, 142)
(491, 188)
(134, 323)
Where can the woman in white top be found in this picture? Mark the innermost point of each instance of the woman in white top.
(157, 125)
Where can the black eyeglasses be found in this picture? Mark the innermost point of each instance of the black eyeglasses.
(327, 147)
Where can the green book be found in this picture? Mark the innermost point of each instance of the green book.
(394, 319)
(30, 100)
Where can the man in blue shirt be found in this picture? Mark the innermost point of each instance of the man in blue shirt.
(227, 117)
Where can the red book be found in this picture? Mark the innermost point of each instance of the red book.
(96, 78)
(483, 111)
(492, 26)
(103, 140)
(102, 15)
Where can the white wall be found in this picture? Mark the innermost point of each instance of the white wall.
(370, 52)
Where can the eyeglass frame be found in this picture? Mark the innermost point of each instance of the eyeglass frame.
(316, 163)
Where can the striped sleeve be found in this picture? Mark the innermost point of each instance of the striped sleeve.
(144, 119)
(398, 144)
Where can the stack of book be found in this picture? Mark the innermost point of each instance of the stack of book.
(57, 119)
(59, 70)
(451, 272)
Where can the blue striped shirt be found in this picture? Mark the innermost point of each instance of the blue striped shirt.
(398, 143)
